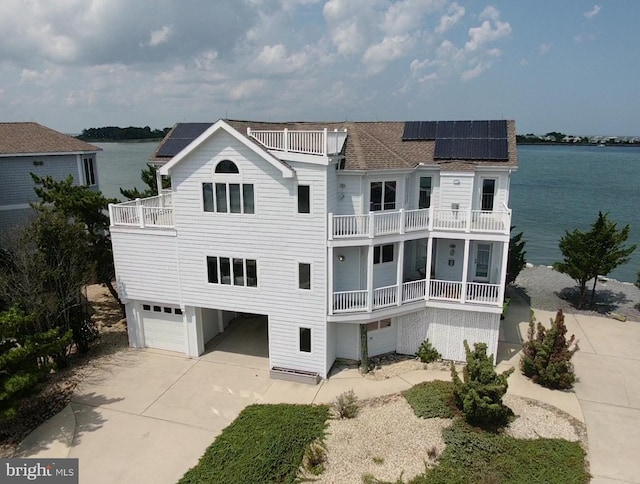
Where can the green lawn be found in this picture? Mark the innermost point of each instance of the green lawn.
(264, 444)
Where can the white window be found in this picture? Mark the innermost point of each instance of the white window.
(232, 271)
(382, 196)
(424, 200)
(304, 199)
(382, 253)
(304, 276)
(376, 325)
(89, 171)
(488, 194)
(229, 197)
(304, 340)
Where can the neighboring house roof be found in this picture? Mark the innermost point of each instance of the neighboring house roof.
(32, 138)
(369, 145)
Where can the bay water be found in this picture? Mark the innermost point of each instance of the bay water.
(555, 188)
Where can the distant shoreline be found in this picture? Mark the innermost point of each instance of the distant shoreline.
(555, 143)
(141, 140)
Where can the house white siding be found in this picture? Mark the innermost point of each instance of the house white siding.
(146, 266)
(348, 341)
(455, 189)
(350, 196)
(447, 329)
(276, 236)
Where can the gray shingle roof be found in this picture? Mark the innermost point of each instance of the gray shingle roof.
(30, 137)
(376, 145)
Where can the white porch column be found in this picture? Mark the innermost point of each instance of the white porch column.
(400, 272)
(330, 280)
(370, 278)
(220, 321)
(465, 270)
(134, 325)
(427, 269)
(159, 181)
(503, 272)
(192, 318)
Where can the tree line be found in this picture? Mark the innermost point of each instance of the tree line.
(115, 133)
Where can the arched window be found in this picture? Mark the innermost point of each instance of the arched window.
(227, 166)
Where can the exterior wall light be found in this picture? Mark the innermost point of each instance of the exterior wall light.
(341, 258)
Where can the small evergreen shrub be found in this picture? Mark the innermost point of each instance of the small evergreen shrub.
(479, 394)
(427, 353)
(346, 405)
(546, 355)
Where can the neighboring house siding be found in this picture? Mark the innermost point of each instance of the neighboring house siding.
(276, 236)
(17, 184)
(146, 266)
(11, 219)
(447, 329)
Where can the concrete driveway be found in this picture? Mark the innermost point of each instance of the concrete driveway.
(608, 389)
(148, 416)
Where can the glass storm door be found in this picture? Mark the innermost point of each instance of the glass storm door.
(483, 258)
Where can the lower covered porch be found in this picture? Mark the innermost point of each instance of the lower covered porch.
(377, 277)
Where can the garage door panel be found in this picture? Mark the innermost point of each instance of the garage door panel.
(164, 331)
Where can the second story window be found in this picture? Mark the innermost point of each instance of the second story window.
(89, 171)
(488, 194)
(382, 196)
(304, 199)
(382, 253)
(304, 276)
(232, 271)
(424, 200)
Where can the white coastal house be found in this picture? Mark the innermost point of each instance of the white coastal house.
(29, 147)
(399, 230)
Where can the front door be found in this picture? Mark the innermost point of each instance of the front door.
(481, 263)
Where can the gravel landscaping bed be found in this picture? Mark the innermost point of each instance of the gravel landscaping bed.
(550, 290)
(387, 440)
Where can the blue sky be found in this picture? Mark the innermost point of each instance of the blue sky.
(567, 65)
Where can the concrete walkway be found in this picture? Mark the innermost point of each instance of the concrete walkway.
(148, 416)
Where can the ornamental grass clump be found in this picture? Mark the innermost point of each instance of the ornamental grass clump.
(479, 394)
(546, 355)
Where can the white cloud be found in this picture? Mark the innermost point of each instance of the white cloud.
(274, 59)
(593, 12)
(377, 56)
(406, 15)
(454, 13)
(524, 62)
(246, 89)
(491, 29)
(583, 38)
(474, 72)
(159, 36)
(543, 49)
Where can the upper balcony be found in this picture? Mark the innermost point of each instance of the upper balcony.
(309, 142)
(144, 212)
(404, 221)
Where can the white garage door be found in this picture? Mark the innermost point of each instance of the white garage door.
(163, 327)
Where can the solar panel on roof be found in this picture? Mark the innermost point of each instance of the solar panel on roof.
(428, 130)
(497, 129)
(172, 147)
(462, 129)
(444, 129)
(411, 130)
(189, 130)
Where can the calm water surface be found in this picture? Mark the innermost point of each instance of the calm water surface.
(555, 188)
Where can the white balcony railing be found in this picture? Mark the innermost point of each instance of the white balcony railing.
(311, 142)
(143, 212)
(440, 290)
(384, 223)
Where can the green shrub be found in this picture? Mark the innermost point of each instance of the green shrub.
(546, 355)
(479, 395)
(431, 399)
(315, 455)
(427, 353)
(473, 455)
(346, 405)
(266, 443)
